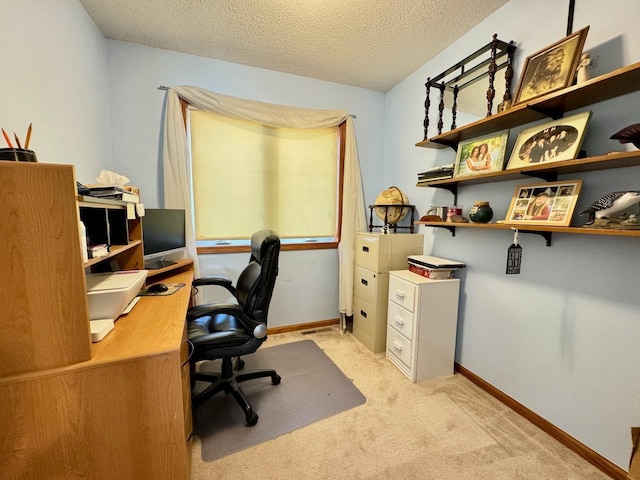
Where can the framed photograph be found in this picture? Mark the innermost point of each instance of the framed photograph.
(552, 68)
(549, 142)
(481, 155)
(548, 203)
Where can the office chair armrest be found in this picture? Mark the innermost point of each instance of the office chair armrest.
(215, 280)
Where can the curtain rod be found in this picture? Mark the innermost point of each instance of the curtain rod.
(162, 87)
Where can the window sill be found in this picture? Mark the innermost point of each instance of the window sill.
(283, 247)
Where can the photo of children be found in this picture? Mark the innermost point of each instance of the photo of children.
(548, 203)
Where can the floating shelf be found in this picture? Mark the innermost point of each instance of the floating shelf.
(610, 85)
(549, 172)
(542, 230)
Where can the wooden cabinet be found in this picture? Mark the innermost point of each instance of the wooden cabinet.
(119, 408)
(614, 84)
(422, 324)
(376, 254)
(44, 322)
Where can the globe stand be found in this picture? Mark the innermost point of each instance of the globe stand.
(387, 226)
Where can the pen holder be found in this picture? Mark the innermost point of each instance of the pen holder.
(17, 155)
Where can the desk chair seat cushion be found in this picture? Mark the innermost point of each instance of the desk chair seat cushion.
(219, 334)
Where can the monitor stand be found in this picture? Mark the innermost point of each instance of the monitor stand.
(158, 264)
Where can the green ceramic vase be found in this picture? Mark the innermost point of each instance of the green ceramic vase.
(481, 212)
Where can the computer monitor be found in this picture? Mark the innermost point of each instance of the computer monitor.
(163, 233)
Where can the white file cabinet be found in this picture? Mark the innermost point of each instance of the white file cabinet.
(421, 325)
(376, 254)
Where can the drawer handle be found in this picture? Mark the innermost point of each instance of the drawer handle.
(399, 321)
(397, 347)
(400, 294)
(363, 281)
(365, 249)
(363, 313)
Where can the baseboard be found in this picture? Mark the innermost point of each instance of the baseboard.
(567, 440)
(303, 326)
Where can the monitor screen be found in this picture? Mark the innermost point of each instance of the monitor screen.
(163, 232)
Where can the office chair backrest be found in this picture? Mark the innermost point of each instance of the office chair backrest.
(255, 284)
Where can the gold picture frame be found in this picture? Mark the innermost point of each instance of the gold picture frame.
(481, 155)
(549, 142)
(552, 68)
(546, 203)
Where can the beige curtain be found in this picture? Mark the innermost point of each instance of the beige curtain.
(177, 174)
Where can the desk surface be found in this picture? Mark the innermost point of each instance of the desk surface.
(129, 404)
(155, 325)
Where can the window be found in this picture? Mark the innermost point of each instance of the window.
(248, 176)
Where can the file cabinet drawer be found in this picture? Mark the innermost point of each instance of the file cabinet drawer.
(401, 320)
(402, 293)
(399, 347)
(364, 317)
(366, 284)
(367, 251)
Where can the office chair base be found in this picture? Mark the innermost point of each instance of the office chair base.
(228, 381)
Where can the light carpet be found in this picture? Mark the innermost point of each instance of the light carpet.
(442, 429)
(312, 388)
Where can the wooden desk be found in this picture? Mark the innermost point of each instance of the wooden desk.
(123, 414)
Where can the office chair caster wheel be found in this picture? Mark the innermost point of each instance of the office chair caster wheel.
(276, 380)
(239, 364)
(251, 418)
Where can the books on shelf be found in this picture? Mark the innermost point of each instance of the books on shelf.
(99, 250)
(433, 273)
(436, 173)
(114, 192)
(433, 267)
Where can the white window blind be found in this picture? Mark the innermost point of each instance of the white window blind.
(247, 176)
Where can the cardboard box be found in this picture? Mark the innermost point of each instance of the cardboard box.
(634, 463)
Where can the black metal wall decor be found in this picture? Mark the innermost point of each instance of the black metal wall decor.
(466, 75)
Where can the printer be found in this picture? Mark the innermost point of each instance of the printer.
(108, 295)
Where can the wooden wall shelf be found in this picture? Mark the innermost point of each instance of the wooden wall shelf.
(114, 251)
(548, 172)
(613, 84)
(543, 230)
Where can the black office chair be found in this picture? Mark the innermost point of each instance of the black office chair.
(226, 331)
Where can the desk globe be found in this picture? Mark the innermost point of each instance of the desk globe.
(391, 196)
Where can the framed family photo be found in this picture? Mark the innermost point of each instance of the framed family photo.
(548, 203)
(552, 68)
(481, 154)
(549, 142)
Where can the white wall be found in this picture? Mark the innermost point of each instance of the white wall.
(307, 288)
(54, 74)
(562, 337)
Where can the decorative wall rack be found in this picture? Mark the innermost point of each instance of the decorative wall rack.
(468, 72)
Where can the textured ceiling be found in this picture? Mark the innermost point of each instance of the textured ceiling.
(372, 44)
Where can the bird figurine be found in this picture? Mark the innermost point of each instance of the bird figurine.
(611, 203)
(630, 134)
